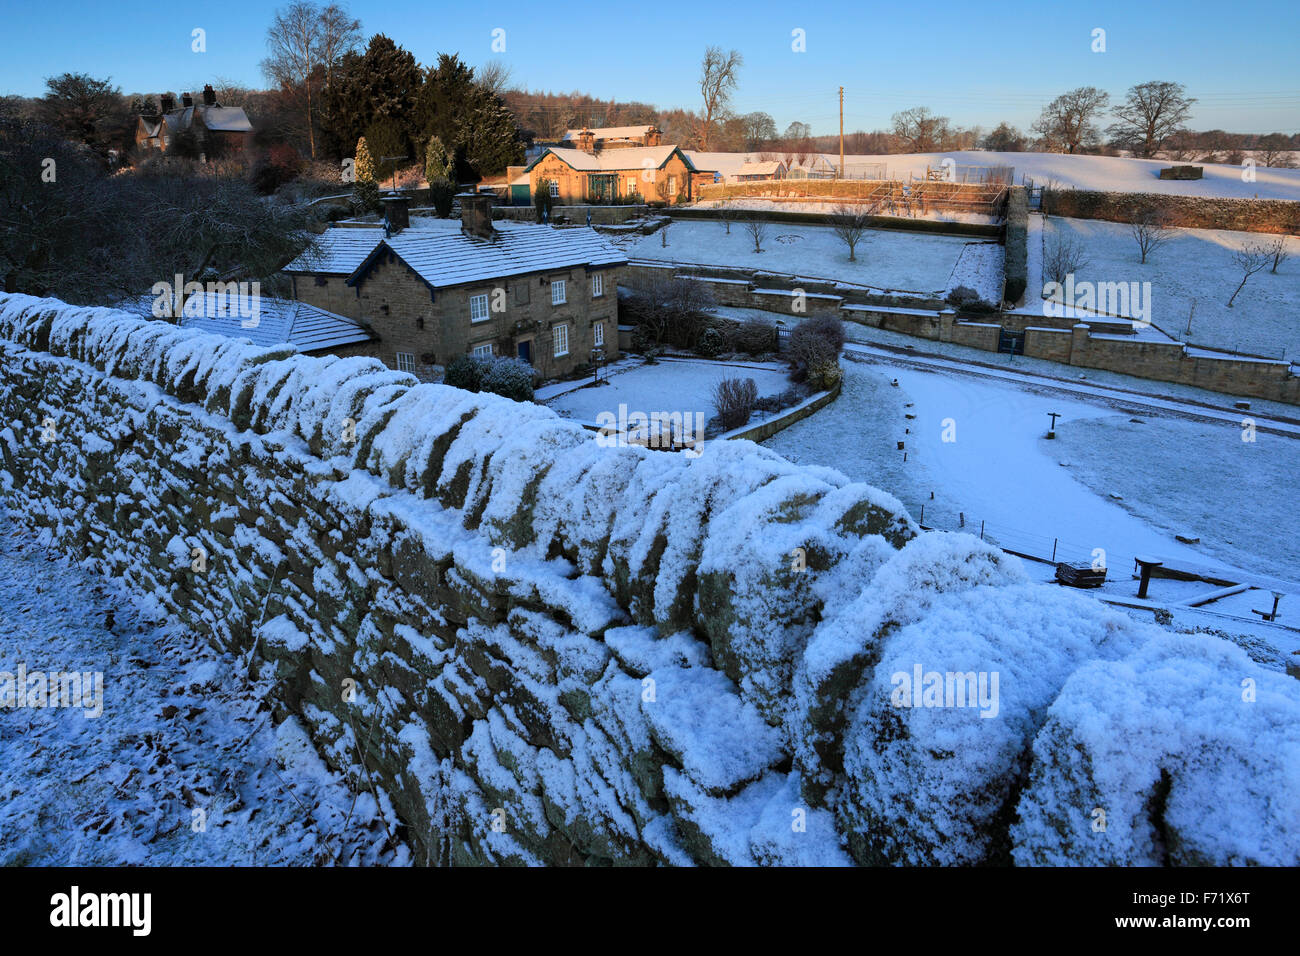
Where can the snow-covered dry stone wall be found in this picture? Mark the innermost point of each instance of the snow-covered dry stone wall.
(546, 651)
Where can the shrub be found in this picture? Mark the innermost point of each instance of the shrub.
(272, 171)
(467, 372)
(365, 196)
(442, 194)
(965, 299)
(754, 337)
(734, 400)
(712, 343)
(814, 351)
(510, 377)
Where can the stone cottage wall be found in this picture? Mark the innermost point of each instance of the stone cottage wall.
(539, 650)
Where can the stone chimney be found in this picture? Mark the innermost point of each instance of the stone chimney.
(209, 96)
(587, 141)
(653, 136)
(476, 214)
(167, 102)
(187, 100)
(396, 212)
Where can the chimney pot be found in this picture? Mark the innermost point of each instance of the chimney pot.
(396, 212)
(476, 214)
(209, 96)
(187, 100)
(167, 102)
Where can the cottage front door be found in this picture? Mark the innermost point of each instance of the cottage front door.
(526, 351)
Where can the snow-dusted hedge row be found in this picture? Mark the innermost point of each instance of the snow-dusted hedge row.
(562, 652)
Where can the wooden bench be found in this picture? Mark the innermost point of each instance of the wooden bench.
(1080, 575)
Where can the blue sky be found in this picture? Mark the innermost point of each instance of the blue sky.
(974, 62)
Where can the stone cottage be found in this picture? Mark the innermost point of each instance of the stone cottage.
(652, 173)
(219, 129)
(612, 137)
(435, 288)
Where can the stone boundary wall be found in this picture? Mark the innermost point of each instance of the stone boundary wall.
(1088, 347)
(538, 650)
(600, 215)
(1193, 212)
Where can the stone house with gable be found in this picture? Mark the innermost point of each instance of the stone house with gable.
(222, 129)
(432, 289)
(650, 173)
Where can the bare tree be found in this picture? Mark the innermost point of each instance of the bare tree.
(1151, 229)
(1275, 150)
(1150, 114)
(1062, 256)
(1068, 122)
(1250, 258)
(1278, 250)
(920, 129)
(851, 222)
(302, 39)
(717, 82)
(757, 230)
(727, 211)
(494, 76)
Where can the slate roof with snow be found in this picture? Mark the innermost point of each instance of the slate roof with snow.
(231, 119)
(444, 255)
(634, 157)
(768, 168)
(279, 321)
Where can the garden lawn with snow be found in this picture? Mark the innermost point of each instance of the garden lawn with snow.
(1196, 265)
(670, 385)
(886, 260)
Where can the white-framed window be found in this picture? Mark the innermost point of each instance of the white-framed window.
(631, 186)
(478, 308)
(597, 286)
(560, 340)
(555, 189)
(598, 334)
(557, 292)
(406, 361)
(482, 351)
(672, 185)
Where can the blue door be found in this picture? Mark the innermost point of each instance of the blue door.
(526, 351)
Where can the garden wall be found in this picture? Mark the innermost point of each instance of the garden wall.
(1196, 212)
(534, 649)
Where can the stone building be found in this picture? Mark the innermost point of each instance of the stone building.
(652, 173)
(221, 129)
(438, 288)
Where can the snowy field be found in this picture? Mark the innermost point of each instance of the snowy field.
(888, 261)
(182, 767)
(999, 470)
(670, 385)
(1197, 265)
(1110, 173)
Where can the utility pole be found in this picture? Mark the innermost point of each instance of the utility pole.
(839, 173)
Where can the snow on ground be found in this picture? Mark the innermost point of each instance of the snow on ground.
(886, 260)
(1112, 173)
(1196, 265)
(670, 385)
(1195, 479)
(1000, 470)
(181, 731)
(823, 207)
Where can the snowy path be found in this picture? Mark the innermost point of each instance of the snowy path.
(183, 766)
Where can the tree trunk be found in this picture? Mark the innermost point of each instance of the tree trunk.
(1239, 288)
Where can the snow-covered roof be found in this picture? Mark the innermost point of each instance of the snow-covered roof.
(444, 255)
(226, 118)
(635, 157)
(612, 132)
(279, 321)
(768, 168)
